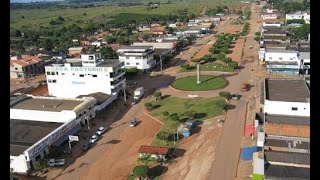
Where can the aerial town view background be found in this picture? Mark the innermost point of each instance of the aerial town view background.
(171, 89)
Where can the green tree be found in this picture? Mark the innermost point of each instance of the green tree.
(301, 33)
(163, 135)
(191, 114)
(108, 53)
(225, 94)
(174, 117)
(222, 104)
(131, 71)
(47, 45)
(141, 171)
(165, 113)
(40, 164)
(157, 95)
(148, 105)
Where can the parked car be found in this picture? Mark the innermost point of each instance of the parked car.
(133, 122)
(235, 96)
(86, 146)
(56, 162)
(93, 139)
(101, 130)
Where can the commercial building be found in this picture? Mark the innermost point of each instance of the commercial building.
(26, 67)
(292, 16)
(39, 123)
(75, 50)
(282, 61)
(140, 57)
(268, 16)
(305, 61)
(92, 75)
(289, 97)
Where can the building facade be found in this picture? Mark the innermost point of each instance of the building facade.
(140, 57)
(92, 76)
(26, 67)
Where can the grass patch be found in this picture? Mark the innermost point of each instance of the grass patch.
(206, 107)
(211, 66)
(207, 83)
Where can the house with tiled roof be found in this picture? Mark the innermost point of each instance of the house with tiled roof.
(158, 153)
(26, 67)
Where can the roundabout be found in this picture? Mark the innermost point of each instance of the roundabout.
(206, 83)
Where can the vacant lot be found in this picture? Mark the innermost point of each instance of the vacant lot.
(207, 83)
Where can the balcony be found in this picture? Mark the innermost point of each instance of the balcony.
(119, 75)
(118, 83)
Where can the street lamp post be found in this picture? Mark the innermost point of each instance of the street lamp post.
(124, 92)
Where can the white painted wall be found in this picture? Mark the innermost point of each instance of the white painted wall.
(285, 108)
(271, 25)
(137, 61)
(19, 164)
(294, 16)
(278, 56)
(69, 84)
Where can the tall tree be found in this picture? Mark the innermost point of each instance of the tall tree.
(108, 53)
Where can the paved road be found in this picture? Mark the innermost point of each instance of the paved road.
(228, 151)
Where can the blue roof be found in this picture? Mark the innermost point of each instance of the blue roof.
(247, 153)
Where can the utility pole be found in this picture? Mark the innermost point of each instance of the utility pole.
(161, 62)
(124, 92)
(198, 74)
(88, 123)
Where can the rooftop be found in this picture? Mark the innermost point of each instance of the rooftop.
(55, 105)
(289, 90)
(75, 48)
(136, 47)
(287, 157)
(276, 37)
(24, 133)
(280, 51)
(153, 150)
(282, 63)
(100, 97)
(293, 120)
(287, 172)
(285, 143)
(287, 130)
(304, 55)
(26, 61)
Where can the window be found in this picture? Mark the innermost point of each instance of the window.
(49, 81)
(48, 73)
(62, 74)
(137, 63)
(54, 81)
(127, 57)
(53, 73)
(294, 109)
(81, 75)
(127, 63)
(280, 58)
(270, 58)
(57, 73)
(90, 57)
(16, 68)
(94, 75)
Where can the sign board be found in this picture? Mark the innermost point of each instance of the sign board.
(73, 138)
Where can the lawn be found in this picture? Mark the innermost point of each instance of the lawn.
(206, 108)
(211, 66)
(207, 83)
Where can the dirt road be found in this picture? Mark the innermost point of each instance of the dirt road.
(199, 153)
(228, 149)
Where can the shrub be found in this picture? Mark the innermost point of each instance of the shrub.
(257, 33)
(257, 38)
(222, 104)
(191, 114)
(131, 71)
(197, 60)
(227, 60)
(148, 105)
(40, 164)
(221, 56)
(175, 117)
(225, 94)
(185, 66)
(163, 135)
(233, 65)
(140, 171)
(165, 113)
(157, 94)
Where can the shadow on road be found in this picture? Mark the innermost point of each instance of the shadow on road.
(157, 170)
(231, 106)
(179, 152)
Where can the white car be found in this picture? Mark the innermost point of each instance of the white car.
(101, 130)
(133, 122)
(93, 139)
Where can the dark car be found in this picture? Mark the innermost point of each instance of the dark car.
(85, 147)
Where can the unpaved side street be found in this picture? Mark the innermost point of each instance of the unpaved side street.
(200, 149)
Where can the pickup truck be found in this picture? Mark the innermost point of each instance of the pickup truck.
(56, 162)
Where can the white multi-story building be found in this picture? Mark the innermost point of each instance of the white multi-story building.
(140, 57)
(297, 15)
(91, 76)
(282, 55)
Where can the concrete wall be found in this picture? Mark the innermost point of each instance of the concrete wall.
(133, 61)
(285, 108)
